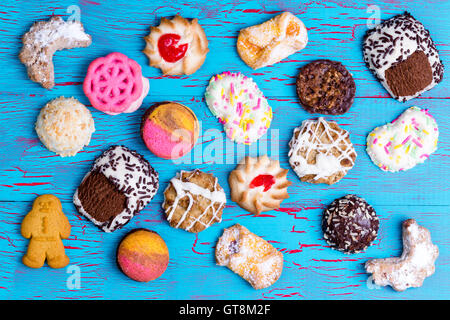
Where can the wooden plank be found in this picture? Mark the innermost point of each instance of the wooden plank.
(311, 269)
(29, 168)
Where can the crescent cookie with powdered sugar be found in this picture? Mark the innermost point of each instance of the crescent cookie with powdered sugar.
(41, 42)
(321, 151)
(120, 184)
(259, 184)
(193, 201)
(402, 55)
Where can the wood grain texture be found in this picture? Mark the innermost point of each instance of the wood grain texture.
(312, 270)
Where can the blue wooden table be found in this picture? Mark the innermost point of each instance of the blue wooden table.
(311, 269)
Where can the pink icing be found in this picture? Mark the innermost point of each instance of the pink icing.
(160, 142)
(113, 83)
(137, 271)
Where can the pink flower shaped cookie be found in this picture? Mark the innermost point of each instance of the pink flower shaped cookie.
(114, 84)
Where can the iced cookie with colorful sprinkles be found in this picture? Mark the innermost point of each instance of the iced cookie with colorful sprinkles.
(405, 142)
(239, 105)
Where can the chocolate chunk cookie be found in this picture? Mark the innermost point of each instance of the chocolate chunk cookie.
(350, 224)
(325, 87)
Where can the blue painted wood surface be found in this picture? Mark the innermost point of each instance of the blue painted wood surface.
(312, 270)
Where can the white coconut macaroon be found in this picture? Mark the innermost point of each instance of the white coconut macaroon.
(65, 126)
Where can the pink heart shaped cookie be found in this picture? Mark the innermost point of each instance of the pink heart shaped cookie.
(114, 84)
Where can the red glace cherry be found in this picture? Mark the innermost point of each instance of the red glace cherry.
(168, 49)
(266, 180)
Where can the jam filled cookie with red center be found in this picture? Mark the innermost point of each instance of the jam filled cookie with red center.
(177, 46)
(259, 184)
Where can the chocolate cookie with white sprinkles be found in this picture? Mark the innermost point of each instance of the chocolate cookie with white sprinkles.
(403, 57)
(120, 184)
(350, 224)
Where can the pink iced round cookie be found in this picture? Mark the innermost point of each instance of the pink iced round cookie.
(114, 84)
(143, 255)
(169, 129)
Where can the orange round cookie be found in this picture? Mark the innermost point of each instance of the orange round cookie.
(259, 184)
(142, 255)
(193, 201)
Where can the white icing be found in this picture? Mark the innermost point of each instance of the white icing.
(405, 142)
(188, 189)
(408, 41)
(132, 175)
(239, 104)
(327, 164)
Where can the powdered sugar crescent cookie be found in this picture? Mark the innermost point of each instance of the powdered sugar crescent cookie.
(404, 142)
(193, 201)
(259, 184)
(272, 41)
(414, 265)
(402, 55)
(250, 256)
(321, 151)
(41, 42)
(239, 105)
(177, 46)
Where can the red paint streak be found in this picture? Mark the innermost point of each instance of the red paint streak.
(31, 184)
(91, 2)
(251, 10)
(334, 260)
(69, 247)
(293, 230)
(195, 243)
(69, 83)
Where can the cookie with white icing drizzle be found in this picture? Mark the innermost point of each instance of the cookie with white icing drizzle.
(321, 151)
(193, 201)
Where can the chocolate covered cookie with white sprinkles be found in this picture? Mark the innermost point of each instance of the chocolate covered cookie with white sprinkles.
(120, 184)
(350, 224)
(402, 55)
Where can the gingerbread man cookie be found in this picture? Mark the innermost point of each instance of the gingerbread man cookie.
(41, 42)
(250, 256)
(259, 184)
(414, 265)
(45, 225)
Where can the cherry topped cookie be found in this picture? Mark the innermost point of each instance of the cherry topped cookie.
(177, 46)
(325, 87)
(259, 184)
